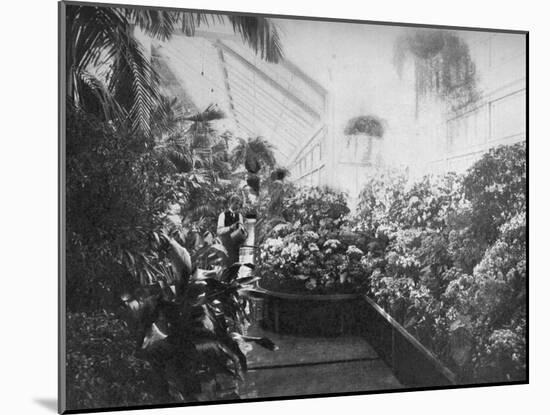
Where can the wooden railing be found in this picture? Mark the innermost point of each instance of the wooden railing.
(412, 363)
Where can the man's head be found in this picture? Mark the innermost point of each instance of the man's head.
(235, 203)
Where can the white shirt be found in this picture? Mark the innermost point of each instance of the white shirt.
(222, 229)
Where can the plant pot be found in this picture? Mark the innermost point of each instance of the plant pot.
(309, 314)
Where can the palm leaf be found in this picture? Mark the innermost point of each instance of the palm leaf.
(136, 84)
(259, 33)
(100, 37)
(211, 113)
(92, 95)
(254, 153)
(160, 24)
(280, 173)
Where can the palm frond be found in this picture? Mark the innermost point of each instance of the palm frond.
(91, 94)
(90, 34)
(157, 23)
(100, 37)
(263, 150)
(175, 153)
(136, 84)
(259, 33)
(280, 173)
(254, 153)
(238, 153)
(210, 113)
(166, 118)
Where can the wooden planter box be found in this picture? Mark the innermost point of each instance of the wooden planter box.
(309, 314)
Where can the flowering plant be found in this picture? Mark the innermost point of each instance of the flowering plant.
(452, 261)
(303, 261)
(317, 208)
(306, 254)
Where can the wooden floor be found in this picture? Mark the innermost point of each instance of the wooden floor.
(313, 365)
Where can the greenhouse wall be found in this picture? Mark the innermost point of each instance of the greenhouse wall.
(304, 118)
(496, 118)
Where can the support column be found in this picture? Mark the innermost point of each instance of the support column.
(247, 250)
(331, 176)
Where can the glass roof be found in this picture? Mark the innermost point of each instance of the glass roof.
(276, 101)
(337, 72)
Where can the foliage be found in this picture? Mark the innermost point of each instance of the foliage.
(99, 37)
(191, 143)
(308, 253)
(201, 131)
(279, 173)
(366, 124)
(316, 208)
(198, 159)
(108, 73)
(103, 368)
(389, 201)
(191, 330)
(116, 196)
(369, 126)
(255, 153)
(120, 189)
(450, 262)
(427, 202)
(442, 64)
(131, 161)
(181, 340)
(496, 186)
(204, 203)
(379, 194)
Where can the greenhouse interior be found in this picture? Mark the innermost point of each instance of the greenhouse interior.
(267, 208)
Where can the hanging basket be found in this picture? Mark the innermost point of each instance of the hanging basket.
(368, 125)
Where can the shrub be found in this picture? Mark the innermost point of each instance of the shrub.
(318, 209)
(308, 254)
(496, 187)
(192, 331)
(102, 367)
(453, 266)
(116, 196)
(302, 261)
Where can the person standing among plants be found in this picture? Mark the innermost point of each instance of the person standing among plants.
(231, 229)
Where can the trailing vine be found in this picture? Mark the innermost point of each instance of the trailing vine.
(443, 66)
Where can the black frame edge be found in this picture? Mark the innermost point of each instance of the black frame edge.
(299, 17)
(62, 408)
(62, 329)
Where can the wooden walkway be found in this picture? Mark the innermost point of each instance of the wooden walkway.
(313, 365)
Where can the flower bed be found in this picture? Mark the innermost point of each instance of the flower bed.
(451, 267)
(309, 254)
(311, 266)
